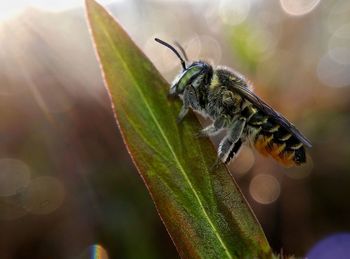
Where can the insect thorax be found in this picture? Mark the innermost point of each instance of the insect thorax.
(222, 99)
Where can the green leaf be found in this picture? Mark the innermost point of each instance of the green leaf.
(204, 212)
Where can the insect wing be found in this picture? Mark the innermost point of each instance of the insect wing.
(264, 107)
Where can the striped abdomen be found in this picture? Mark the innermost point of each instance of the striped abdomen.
(273, 139)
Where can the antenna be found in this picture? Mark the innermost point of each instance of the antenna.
(183, 64)
(181, 49)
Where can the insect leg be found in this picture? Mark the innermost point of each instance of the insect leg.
(234, 151)
(182, 114)
(235, 148)
(185, 106)
(231, 144)
(213, 128)
(189, 100)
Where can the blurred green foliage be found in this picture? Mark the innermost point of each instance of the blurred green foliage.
(244, 46)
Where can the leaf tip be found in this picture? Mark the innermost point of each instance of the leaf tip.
(91, 4)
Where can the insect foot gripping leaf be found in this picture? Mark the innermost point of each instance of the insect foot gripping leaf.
(204, 213)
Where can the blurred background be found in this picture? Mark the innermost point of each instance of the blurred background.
(68, 188)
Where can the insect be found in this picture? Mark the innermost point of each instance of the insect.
(225, 97)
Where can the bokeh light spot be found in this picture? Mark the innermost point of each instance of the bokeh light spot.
(301, 172)
(98, 252)
(210, 50)
(11, 208)
(334, 246)
(339, 45)
(338, 15)
(95, 251)
(14, 175)
(234, 12)
(340, 55)
(193, 47)
(44, 195)
(264, 188)
(165, 60)
(243, 163)
(332, 73)
(298, 7)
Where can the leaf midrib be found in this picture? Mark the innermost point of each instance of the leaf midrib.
(168, 143)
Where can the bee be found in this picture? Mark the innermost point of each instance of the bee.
(226, 98)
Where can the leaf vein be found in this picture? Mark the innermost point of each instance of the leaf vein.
(179, 165)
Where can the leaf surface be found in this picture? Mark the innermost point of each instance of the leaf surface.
(204, 212)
